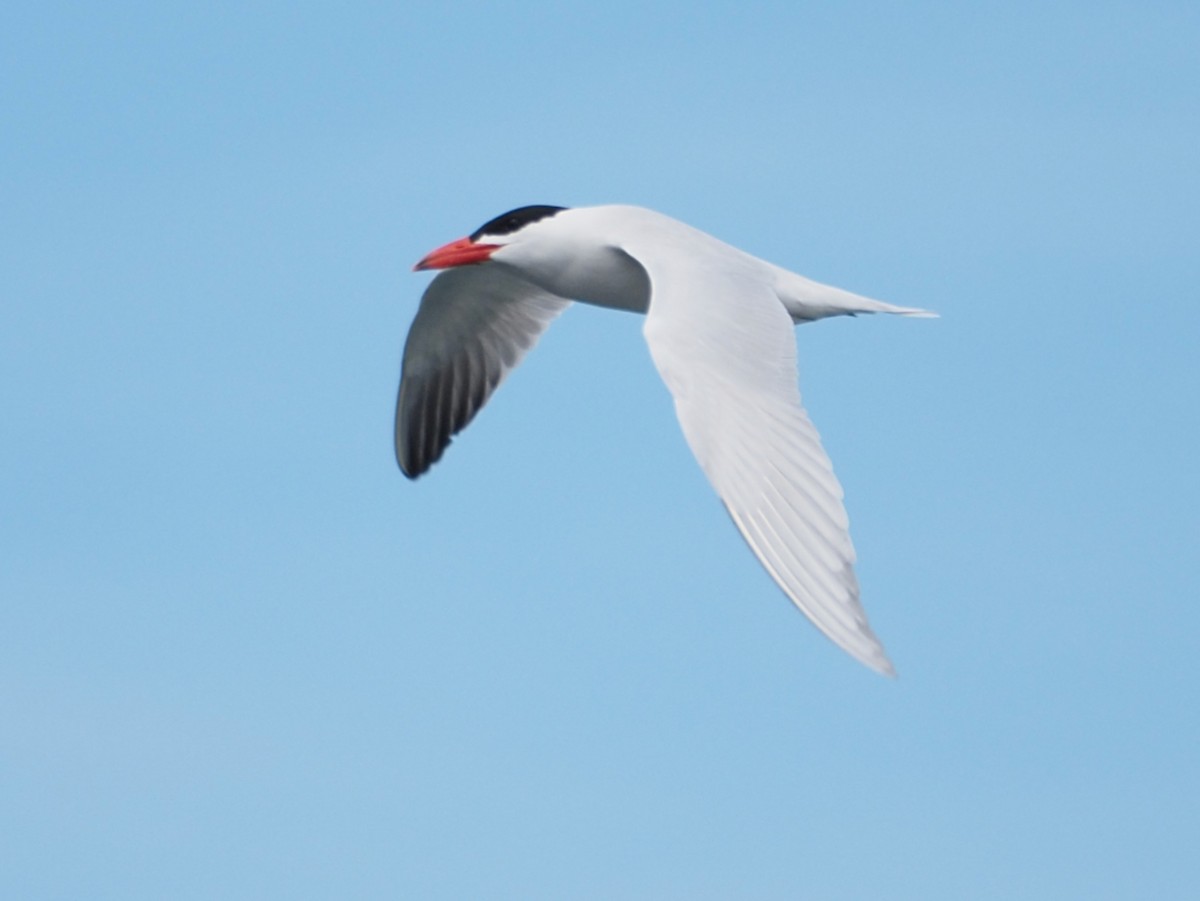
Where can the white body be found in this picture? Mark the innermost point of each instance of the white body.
(718, 326)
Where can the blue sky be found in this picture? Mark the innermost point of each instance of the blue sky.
(242, 657)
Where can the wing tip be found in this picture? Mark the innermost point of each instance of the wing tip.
(413, 464)
(413, 469)
(865, 646)
(862, 645)
(882, 665)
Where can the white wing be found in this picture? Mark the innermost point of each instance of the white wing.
(473, 326)
(722, 341)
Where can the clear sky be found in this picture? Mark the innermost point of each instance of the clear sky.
(241, 657)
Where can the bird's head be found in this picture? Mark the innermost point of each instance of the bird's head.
(508, 229)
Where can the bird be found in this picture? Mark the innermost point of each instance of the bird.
(718, 324)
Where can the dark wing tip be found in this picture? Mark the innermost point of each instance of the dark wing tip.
(411, 470)
(431, 409)
(421, 435)
(414, 461)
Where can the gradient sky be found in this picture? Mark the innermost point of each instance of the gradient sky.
(241, 657)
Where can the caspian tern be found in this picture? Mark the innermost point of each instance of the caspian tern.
(718, 323)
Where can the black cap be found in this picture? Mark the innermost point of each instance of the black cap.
(514, 220)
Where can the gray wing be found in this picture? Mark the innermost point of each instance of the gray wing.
(474, 325)
(723, 343)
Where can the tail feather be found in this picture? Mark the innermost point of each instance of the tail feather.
(807, 300)
(914, 312)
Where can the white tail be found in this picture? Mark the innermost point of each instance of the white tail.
(807, 300)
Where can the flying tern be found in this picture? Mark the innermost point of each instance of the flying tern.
(719, 328)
